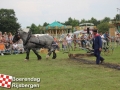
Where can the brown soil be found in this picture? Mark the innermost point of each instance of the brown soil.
(104, 64)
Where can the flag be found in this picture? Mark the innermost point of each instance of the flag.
(5, 80)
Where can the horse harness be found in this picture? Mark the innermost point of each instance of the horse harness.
(28, 37)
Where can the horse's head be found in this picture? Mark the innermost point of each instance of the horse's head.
(16, 37)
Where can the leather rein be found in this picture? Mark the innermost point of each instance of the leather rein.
(28, 37)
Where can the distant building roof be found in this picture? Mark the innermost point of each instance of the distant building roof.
(86, 24)
(54, 24)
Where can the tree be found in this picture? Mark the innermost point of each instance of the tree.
(68, 22)
(106, 19)
(72, 22)
(40, 29)
(8, 21)
(103, 27)
(75, 23)
(83, 21)
(94, 21)
(117, 17)
(35, 29)
(45, 24)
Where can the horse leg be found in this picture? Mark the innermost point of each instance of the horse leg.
(27, 54)
(53, 50)
(49, 53)
(54, 55)
(38, 56)
(50, 50)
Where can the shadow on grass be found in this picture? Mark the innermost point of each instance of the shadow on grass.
(108, 65)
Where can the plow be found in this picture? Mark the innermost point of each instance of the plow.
(73, 56)
(89, 53)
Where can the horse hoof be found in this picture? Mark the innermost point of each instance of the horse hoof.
(53, 58)
(47, 56)
(25, 59)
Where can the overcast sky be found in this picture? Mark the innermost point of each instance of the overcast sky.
(40, 11)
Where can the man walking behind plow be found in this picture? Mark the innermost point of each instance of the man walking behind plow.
(97, 46)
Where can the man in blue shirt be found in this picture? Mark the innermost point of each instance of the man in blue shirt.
(97, 46)
(106, 36)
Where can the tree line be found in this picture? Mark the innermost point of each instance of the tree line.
(8, 22)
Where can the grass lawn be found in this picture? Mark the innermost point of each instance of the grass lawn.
(63, 73)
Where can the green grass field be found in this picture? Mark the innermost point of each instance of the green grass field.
(63, 73)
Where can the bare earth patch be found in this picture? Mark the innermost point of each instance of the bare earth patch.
(79, 57)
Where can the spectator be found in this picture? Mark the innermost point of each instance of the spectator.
(79, 39)
(2, 47)
(0, 35)
(83, 43)
(10, 38)
(7, 48)
(64, 44)
(88, 42)
(104, 42)
(106, 36)
(15, 48)
(69, 41)
(3, 40)
(118, 38)
(74, 41)
(5, 36)
(20, 48)
(79, 36)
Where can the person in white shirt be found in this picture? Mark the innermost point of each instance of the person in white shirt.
(104, 42)
(15, 48)
(20, 46)
(69, 41)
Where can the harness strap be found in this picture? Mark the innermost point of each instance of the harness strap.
(28, 37)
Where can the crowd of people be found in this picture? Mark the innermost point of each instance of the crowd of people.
(82, 41)
(7, 45)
